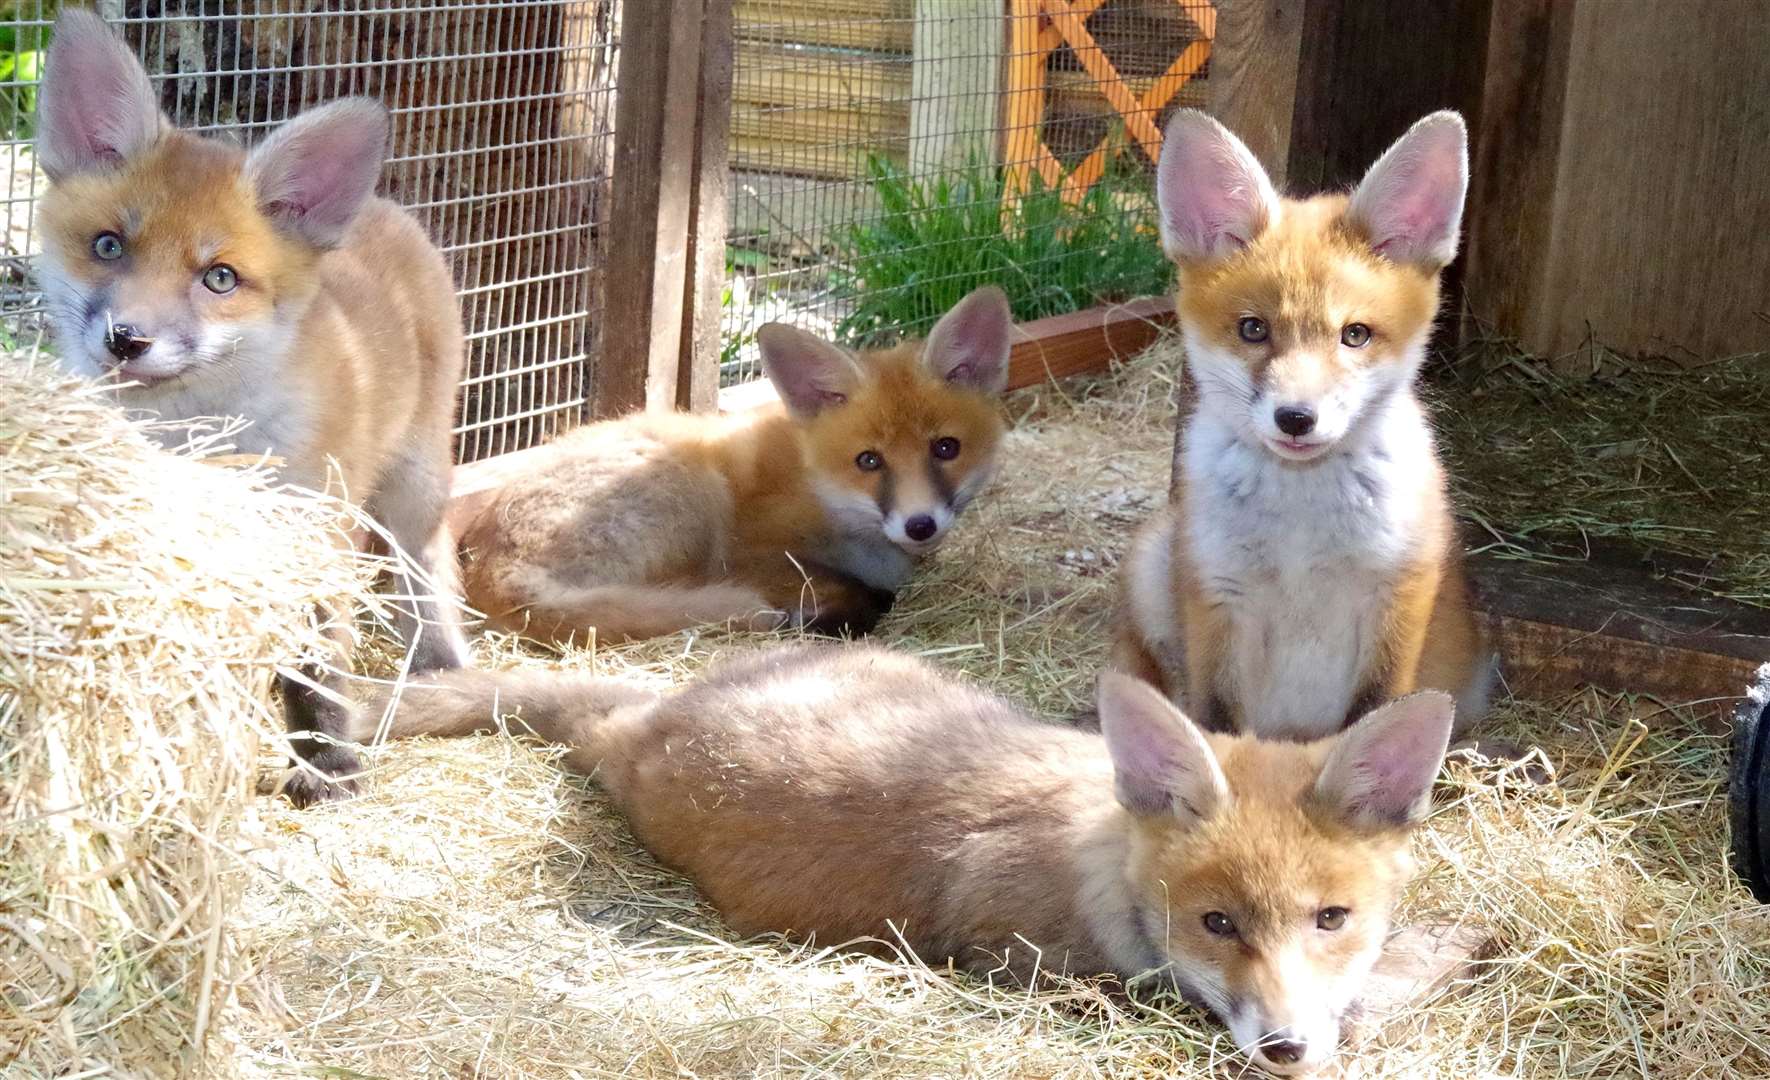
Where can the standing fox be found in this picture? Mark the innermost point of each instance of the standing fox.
(270, 285)
(851, 794)
(806, 512)
(1308, 566)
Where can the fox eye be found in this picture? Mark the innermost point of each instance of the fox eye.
(1355, 335)
(1330, 918)
(1219, 924)
(220, 278)
(869, 461)
(946, 448)
(1252, 330)
(107, 246)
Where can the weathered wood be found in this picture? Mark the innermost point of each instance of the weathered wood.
(1642, 148)
(647, 267)
(871, 25)
(955, 83)
(1254, 75)
(697, 379)
(1614, 622)
(817, 112)
(1085, 341)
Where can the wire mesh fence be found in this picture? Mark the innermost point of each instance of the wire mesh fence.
(886, 157)
(502, 145)
(890, 155)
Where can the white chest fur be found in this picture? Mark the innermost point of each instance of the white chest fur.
(1303, 560)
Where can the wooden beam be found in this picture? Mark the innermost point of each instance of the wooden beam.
(697, 375)
(1085, 341)
(1615, 622)
(1253, 84)
(655, 129)
(955, 83)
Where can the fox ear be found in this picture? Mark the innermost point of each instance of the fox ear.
(1380, 772)
(1213, 195)
(809, 373)
(1161, 762)
(1410, 204)
(315, 172)
(969, 345)
(96, 108)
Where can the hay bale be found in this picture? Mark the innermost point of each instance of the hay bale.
(146, 600)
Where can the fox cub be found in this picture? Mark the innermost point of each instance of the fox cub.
(208, 281)
(809, 511)
(847, 793)
(1308, 567)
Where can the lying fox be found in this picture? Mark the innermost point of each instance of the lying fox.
(1308, 567)
(848, 792)
(807, 512)
(272, 285)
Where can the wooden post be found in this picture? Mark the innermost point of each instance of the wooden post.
(697, 378)
(1319, 88)
(658, 93)
(1253, 83)
(955, 83)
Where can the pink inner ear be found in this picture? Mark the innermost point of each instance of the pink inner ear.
(960, 373)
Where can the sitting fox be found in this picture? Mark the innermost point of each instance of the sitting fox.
(207, 281)
(807, 512)
(1308, 567)
(845, 792)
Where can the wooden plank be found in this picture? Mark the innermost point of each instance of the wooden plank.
(1253, 83)
(774, 74)
(1661, 231)
(1612, 621)
(955, 83)
(1085, 341)
(872, 25)
(648, 230)
(697, 377)
(1368, 69)
(1517, 143)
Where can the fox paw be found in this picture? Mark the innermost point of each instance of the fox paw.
(329, 775)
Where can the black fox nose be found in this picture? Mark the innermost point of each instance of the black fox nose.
(920, 528)
(1294, 421)
(126, 342)
(1284, 1051)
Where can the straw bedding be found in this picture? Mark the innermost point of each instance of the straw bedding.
(480, 914)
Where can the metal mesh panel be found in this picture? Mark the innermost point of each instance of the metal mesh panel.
(502, 144)
(890, 155)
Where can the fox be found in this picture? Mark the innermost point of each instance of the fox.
(1307, 566)
(201, 280)
(852, 795)
(807, 512)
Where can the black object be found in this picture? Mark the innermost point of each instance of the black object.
(1750, 788)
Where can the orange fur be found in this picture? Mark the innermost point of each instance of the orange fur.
(654, 523)
(852, 795)
(333, 332)
(1300, 576)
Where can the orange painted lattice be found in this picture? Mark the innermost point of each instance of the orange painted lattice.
(1038, 28)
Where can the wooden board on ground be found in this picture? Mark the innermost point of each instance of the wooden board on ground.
(1615, 621)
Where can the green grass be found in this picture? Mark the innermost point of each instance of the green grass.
(21, 60)
(939, 238)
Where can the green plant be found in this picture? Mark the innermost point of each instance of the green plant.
(22, 44)
(940, 237)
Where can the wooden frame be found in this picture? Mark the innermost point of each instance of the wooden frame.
(1036, 29)
(666, 245)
